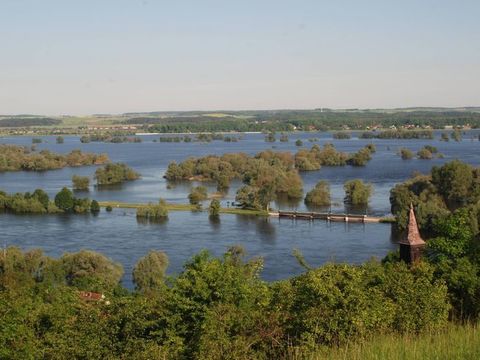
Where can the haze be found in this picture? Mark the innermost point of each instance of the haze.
(84, 57)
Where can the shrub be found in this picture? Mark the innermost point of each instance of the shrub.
(80, 182)
(197, 195)
(357, 192)
(214, 208)
(406, 154)
(95, 206)
(152, 211)
(319, 195)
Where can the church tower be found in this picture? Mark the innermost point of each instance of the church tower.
(411, 247)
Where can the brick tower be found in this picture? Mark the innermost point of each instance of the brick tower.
(412, 245)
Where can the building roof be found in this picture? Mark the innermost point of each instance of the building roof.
(413, 235)
(88, 295)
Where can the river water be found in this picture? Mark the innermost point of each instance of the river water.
(121, 237)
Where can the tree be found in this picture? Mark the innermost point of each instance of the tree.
(59, 139)
(64, 200)
(197, 195)
(148, 274)
(94, 206)
(424, 154)
(42, 197)
(299, 142)
(319, 195)
(406, 154)
(214, 208)
(454, 181)
(91, 271)
(80, 182)
(357, 192)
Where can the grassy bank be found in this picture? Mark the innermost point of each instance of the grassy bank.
(455, 342)
(183, 207)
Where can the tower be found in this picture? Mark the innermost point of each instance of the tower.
(412, 245)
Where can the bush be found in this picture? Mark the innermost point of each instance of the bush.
(357, 192)
(214, 208)
(299, 142)
(152, 211)
(95, 206)
(406, 154)
(80, 182)
(197, 195)
(319, 195)
(59, 140)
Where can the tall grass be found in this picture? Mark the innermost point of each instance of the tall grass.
(454, 342)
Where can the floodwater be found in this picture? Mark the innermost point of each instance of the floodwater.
(121, 237)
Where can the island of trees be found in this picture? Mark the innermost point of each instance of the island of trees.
(115, 173)
(39, 202)
(16, 158)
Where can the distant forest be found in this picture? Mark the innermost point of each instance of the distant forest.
(287, 120)
(28, 121)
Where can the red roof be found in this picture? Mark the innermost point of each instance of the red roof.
(413, 235)
(87, 295)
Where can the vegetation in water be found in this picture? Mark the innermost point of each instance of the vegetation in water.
(435, 196)
(153, 211)
(319, 195)
(115, 173)
(406, 154)
(197, 195)
(80, 182)
(357, 192)
(16, 158)
(341, 135)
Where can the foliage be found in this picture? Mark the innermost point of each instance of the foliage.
(214, 208)
(406, 154)
(341, 135)
(60, 140)
(298, 142)
(16, 158)
(94, 206)
(197, 195)
(357, 192)
(115, 174)
(64, 200)
(152, 211)
(148, 274)
(450, 186)
(87, 270)
(80, 182)
(319, 195)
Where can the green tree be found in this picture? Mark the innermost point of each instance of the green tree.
(299, 142)
(64, 200)
(214, 208)
(319, 195)
(197, 195)
(94, 206)
(357, 192)
(59, 140)
(91, 271)
(149, 272)
(42, 197)
(80, 182)
(406, 154)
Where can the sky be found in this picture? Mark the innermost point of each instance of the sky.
(114, 56)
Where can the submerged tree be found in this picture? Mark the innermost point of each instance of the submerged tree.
(357, 192)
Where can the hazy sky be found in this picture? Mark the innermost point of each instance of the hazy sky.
(112, 56)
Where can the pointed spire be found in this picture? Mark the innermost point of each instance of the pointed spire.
(413, 235)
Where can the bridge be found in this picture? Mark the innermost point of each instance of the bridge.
(328, 216)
